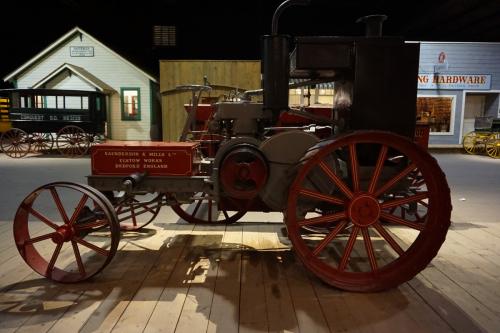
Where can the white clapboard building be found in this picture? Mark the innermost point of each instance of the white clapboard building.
(78, 61)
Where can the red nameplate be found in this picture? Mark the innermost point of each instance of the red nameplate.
(155, 158)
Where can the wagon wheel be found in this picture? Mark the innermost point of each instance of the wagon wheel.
(415, 211)
(41, 142)
(205, 210)
(81, 231)
(359, 252)
(493, 145)
(138, 211)
(72, 141)
(95, 139)
(15, 143)
(472, 143)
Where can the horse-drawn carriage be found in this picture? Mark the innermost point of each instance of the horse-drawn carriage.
(484, 138)
(71, 119)
(344, 197)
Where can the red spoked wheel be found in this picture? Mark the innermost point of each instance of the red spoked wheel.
(72, 141)
(137, 211)
(15, 143)
(41, 142)
(204, 210)
(340, 215)
(80, 235)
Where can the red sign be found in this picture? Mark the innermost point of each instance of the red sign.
(155, 158)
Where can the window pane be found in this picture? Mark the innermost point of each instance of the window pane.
(60, 102)
(51, 102)
(39, 102)
(435, 111)
(73, 102)
(85, 103)
(131, 102)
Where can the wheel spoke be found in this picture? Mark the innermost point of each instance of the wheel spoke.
(397, 220)
(329, 237)
(132, 212)
(53, 260)
(210, 210)
(339, 182)
(320, 196)
(402, 201)
(323, 219)
(348, 249)
(78, 258)
(79, 208)
(369, 248)
(195, 210)
(91, 246)
(39, 238)
(378, 168)
(59, 204)
(354, 166)
(388, 238)
(40, 216)
(396, 179)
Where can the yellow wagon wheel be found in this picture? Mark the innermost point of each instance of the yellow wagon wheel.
(493, 145)
(470, 143)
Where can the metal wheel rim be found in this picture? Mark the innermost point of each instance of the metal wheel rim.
(228, 217)
(72, 141)
(128, 211)
(411, 260)
(493, 146)
(72, 229)
(41, 142)
(15, 143)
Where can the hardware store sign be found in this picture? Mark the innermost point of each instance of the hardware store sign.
(454, 81)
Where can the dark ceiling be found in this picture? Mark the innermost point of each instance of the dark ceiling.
(229, 29)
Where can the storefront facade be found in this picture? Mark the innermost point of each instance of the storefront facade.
(457, 82)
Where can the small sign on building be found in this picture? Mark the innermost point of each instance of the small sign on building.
(81, 51)
(454, 81)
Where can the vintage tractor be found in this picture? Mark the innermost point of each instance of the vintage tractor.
(365, 207)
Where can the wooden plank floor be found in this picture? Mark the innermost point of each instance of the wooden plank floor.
(177, 277)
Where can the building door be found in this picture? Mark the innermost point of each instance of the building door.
(474, 107)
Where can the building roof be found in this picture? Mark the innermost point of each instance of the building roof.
(61, 40)
(80, 72)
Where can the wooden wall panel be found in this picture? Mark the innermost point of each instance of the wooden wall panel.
(244, 74)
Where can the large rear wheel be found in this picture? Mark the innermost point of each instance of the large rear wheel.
(341, 218)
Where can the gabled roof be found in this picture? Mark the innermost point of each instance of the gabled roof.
(82, 73)
(63, 39)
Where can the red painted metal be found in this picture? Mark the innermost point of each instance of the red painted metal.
(155, 158)
(243, 173)
(91, 214)
(422, 135)
(136, 212)
(200, 211)
(345, 256)
(203, 113)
